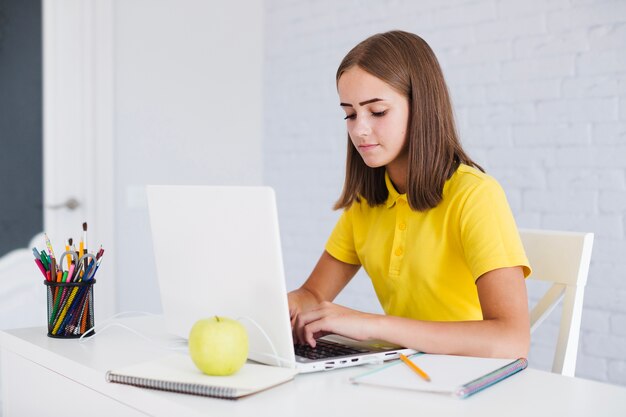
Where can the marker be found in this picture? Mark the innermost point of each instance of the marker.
(70, 272)
(41, 268)
(45, 260)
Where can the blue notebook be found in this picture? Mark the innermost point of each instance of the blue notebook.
(458, 376)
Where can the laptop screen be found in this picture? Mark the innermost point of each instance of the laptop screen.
(217, 252)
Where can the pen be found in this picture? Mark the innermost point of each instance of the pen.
(100, 253)
(415, 368)
(96, 270)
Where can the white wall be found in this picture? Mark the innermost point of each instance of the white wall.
(539, 89)
(188, 99)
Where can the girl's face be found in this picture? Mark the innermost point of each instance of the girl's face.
(377, 118)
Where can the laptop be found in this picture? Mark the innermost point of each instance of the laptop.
(217, 251)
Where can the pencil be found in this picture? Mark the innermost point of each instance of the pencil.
(49, 245)
(415, 368)
(67, 249)
(85, 236)
(53, 267)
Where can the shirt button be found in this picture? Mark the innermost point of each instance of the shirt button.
(399, 252)
(402, 226)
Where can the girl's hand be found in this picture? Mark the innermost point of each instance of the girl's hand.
(300, 301)
(295, 307)
(329, 318)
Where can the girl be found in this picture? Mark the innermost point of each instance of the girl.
(432, 230)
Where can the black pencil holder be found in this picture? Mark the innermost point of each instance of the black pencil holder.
(70, 308)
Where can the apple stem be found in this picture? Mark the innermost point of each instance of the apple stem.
(217, 319)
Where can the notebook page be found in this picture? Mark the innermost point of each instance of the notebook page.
(447, 373)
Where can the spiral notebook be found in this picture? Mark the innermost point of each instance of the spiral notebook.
(177, 373)
(459, 376)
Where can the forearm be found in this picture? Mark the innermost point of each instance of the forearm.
(327, 279)
(487, 338)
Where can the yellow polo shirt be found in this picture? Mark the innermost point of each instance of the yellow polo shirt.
(424, 265)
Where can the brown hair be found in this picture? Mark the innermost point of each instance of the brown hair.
(406, 62)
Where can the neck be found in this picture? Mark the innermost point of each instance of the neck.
(397, 175)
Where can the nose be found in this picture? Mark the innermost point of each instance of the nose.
(362, 127)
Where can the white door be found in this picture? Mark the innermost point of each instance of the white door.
(78, 133)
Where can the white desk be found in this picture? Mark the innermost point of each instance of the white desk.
(52, 377)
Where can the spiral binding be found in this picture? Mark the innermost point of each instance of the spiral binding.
(171, 386)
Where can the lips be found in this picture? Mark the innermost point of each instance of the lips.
(367, 147)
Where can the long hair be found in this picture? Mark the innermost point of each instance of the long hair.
(406, 62)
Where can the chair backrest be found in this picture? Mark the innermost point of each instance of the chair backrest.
(561, 258)
(22, 293)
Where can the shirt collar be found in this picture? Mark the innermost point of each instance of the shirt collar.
(394, 195)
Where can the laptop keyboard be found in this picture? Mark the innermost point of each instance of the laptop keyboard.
(326, 349)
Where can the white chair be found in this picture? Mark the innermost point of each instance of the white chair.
(561, 258)
(22, 292)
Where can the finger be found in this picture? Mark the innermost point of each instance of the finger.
(302, 320)
(315, 328)
(293, 319)
(299, 330)
(309, 339)
(294, 329)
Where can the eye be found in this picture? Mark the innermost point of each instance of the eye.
(350, 117)
(379, 113)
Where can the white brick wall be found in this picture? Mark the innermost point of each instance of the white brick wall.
(539, 88)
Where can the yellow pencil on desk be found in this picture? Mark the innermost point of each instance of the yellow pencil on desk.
(415, 368)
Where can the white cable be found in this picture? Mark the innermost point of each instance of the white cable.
(154, 342)
(108, 323)
(93, 328)
(275, 352)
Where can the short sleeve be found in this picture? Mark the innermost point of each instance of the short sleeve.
(340, 244)
(489, 234)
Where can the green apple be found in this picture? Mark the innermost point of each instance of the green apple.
(218, 345)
